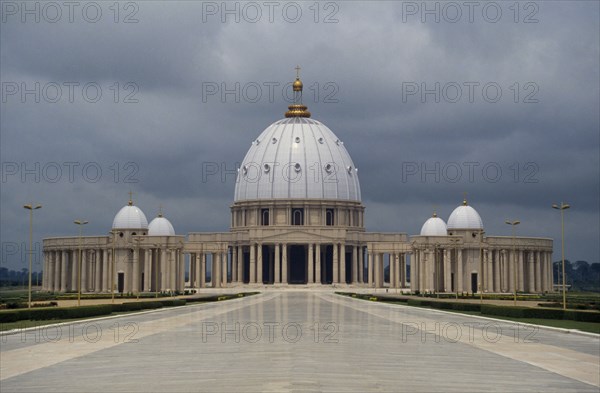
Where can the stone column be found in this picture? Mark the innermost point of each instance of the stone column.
(105, 271)
(538, 272)
(214, 275)
(74, 263)
(423, 268)
(173, 269)
(489, 271)
(84, 271)
(380, 268)
(259, 265)
(531, 286)
(397, 270)
(240, 264)
(342, 257)
(511, 267)
(147, 270)
(135, 284)
(318, 277)
(496, 264)
(234, 262)
(543, 268)
(447, 274)
(404, 269)
(336, 264)
(354, 265)
(277, 264)
(48, 274)
(370, 263)
(549, 272)
(361, 265)
(459, 271)
(197, 261)
(95, 256)
(284, 264)
(392, 270)
(181, 258)
(413, 272)
(63, 271)
(252, 263)
(202, 270)
(224, 268)
(521, 271)
(311, 264)
(163, 269)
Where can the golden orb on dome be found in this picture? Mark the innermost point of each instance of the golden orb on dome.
(297, 85)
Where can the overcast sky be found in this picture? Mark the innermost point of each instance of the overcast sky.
(492, 99)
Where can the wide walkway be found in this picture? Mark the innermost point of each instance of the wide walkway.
(305, 341)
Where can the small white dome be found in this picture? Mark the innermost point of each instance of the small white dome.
(160, 226)
(434, 226)
(465, 217)
(130, 217)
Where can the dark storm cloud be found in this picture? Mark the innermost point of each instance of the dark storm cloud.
(166, 146)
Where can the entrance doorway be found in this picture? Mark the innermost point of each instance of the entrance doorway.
(121, 282)
(297, 264)
(474, 282)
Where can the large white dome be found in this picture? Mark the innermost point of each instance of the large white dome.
(434, 226)
(130, 217)
(465, 217)
(297, 158)
(160, 226)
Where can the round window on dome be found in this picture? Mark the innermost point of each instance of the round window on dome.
(297, 167)
(329, 168)
(321, 140)
(274, 140)
(297, 139)
(349, 168)
(267, 168)
(245, 170)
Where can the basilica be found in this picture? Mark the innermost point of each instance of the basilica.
(297, 218)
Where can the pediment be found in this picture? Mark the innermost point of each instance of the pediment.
(300, 236)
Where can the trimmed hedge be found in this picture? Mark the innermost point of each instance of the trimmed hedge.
(491, 310)
(542, 313)
(466, 307)
(36, 314)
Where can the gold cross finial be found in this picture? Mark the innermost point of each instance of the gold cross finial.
(297, 72)
(160, 210)
(464, 198)
(434, 210)
(130, 198)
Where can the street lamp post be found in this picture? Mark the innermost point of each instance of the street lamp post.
(31, 208)
(80, 223)
(562, 207)
(514, 224)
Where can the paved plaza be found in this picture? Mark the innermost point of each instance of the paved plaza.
(298, 341)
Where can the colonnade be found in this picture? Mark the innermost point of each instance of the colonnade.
(495, 271)
(135, 270)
